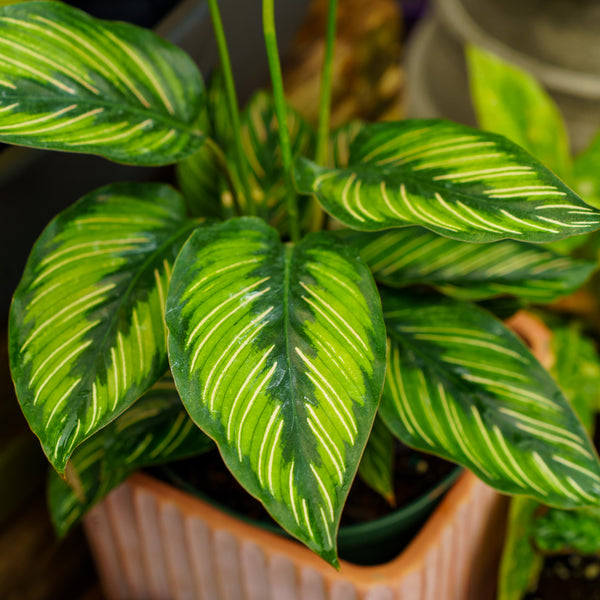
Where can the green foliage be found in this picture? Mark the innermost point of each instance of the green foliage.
(155, 429)
(532, 528)
(75, 83)
(456, 181)
(521, 564)
(279, 354)
(461, 385)
(411, 255)
(376, 467)
(586, 173)
(511, 102)
(568, 531)
(87, 332)
(277, 342)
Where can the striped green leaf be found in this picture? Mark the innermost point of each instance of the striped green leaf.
(71, 82)
(260, 141)
(462, 386)
(199, 175)
(412, 255)
(199, 180)
(340, 141)
(156, 429)
(511, 102)
(278, 353)
(87, 332)
(459, 182)
(376, 468)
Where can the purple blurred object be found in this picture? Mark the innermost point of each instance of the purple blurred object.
(412, 12)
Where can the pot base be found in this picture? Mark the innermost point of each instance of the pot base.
(154, 542)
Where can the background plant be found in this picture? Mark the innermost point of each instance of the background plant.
(275, 331)
(508, 100)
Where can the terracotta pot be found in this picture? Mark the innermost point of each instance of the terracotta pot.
(154, 542)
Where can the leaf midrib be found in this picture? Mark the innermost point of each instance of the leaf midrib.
(113, 105)
(111, 323)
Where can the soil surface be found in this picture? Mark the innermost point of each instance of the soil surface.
(415, 474)
(569, 577)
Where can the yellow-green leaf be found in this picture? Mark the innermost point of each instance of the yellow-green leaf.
(87, 334)
(278, 353)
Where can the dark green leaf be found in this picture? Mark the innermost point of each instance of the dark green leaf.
(376, 467)
(459, 182)
(156, 429)
(410, 255)
(278, 353)
(461, 385)
(71, 82)
(87, 332)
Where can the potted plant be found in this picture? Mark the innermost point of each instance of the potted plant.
(274, 330)
(553, 553)
(549, 552)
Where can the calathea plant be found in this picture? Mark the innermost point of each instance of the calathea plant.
(273, 329)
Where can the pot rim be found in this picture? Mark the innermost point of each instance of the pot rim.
(346, 532)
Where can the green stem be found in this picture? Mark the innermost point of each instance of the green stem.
(326, 86)
(281, 112)
(232, 104)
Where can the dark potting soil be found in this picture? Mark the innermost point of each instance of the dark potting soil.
(415, 474)
(568, 577)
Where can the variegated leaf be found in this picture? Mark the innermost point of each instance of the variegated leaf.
(199, 175)
(199, 179)
(457, 181)
(260, 141)
(376, 467)
(462, 386)
(71, 82)
(87, 332)
(340, 141)
(156, 429)
(278, 353)
(509, 101)
(412, 255)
